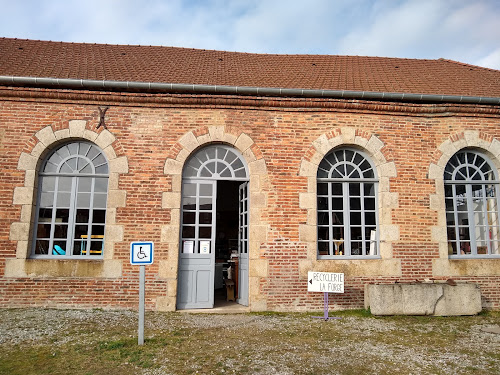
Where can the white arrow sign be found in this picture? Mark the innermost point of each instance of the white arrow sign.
(326, 282)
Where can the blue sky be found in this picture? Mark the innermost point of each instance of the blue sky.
(463, 30)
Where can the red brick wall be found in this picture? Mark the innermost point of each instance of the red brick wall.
(147, 134)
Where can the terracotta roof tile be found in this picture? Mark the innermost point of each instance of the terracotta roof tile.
(30, 58)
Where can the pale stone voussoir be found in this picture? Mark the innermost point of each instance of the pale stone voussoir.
(77, 127)
(308, 169)
(374, 144)
(23, 195)
(471, 137)
(258, 167)
(171, 199)
(189, 141)
(322, 145)
(243, 142)
(62, 134)
(46, 135)
(348, 134)
(119, 165)
(172, 167)
(105, 139)
(109, 152)
(27, 162)
(89, 135)
(216, 133)
(19, 231)
(435, 171)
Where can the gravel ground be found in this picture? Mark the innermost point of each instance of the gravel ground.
(375, 343)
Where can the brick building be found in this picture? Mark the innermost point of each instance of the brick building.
(384, 169)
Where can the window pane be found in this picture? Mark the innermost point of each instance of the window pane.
(323, 218)
(369, 190)
(187, 231)
(97, 230)
(205, 190)
(44, 215)
(48, 183)
(65, 184)
(356, 233)
(337, 218)
(355, 204)
(99, 216)
(355, 218)
(59, 248)
(42, 247)
(354, 190)
(369, 203)
(356, 248)
(322, 189)
(96, 247)
(188, 203)
(205, 232)
(370, 218)
(63, 199)
(188, 217)
(323, 248)
(60, 231)
(83, 200)
(323, 233)
(85, 184)
(205, 204)
(102, 169)
(46, 199)
(82, 216)
(322, 203)
(43, 231)
(62, 215)
(205, 218)
(100, 200)
(337, 204)
(81, 231)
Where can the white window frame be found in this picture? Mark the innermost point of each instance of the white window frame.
(90, 166)
(356, 168)
(472, 201)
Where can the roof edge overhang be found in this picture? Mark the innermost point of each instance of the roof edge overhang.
(178, 88)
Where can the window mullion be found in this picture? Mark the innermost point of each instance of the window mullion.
(363, 214)
(486, 217)
(331, 250)
(471, 218)
(458, 240)
(347, 218)
(72, 216)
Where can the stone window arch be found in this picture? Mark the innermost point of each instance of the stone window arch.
(21, 232)
(347, 187)
(472, 201)
(70, 213)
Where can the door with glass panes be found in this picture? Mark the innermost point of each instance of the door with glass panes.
(196, 263)
(197, 250)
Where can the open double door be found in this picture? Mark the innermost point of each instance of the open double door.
(197, 254)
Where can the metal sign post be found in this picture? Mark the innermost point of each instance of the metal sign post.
(141, 253)
(325, 282)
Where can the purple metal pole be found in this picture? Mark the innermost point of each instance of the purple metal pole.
(325, 309)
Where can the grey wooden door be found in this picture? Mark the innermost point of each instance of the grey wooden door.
(195, 288)
(243, 245)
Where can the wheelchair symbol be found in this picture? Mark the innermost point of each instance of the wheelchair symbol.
(141, 254)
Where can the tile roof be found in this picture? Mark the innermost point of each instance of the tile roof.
(31, 58)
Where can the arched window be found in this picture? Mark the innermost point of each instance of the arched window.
(71, 202)
(471, 192)
(347, 205)
(218, 161)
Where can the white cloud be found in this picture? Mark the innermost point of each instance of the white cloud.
(462, 30)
